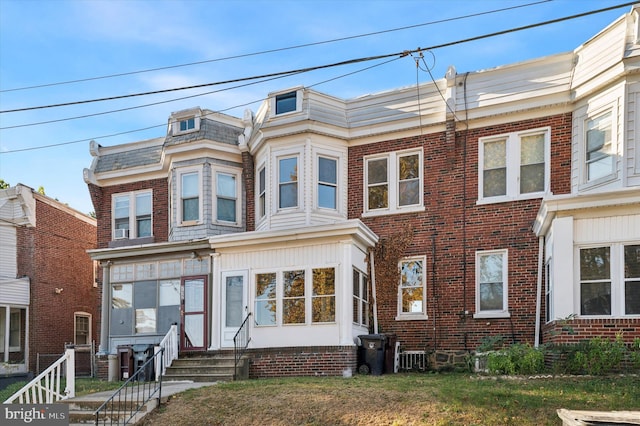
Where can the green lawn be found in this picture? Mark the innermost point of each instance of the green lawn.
(397, 399)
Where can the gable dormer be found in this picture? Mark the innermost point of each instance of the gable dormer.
(185, 121)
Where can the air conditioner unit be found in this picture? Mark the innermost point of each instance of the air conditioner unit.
(120, 233)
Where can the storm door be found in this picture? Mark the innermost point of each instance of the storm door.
(234, 305)
(194, 314)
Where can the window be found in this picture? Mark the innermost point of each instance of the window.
(360, 298)
(286, 102)
(82, 329)
(598, 159)
(549, 291)
(226, 197)
(393, 182)
(632, 280)
(293, 309)
(288, 182)
(187, 124)
(122, 296)
(132, 215)
(411, 290)
(515, 165)
(190, 196)
(266, 302)
(323, 300)
(262, 193)
(595, 281)
(491, 284)
(327, 182)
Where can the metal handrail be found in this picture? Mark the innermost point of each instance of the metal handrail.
(240, 343)
(132, 395)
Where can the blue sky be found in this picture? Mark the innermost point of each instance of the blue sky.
(47, 42)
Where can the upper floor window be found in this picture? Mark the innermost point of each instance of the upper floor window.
(327, 182)
(412, 289)
(491, 284)
(394, 182)
(227, 197)
(190, 196)
(603, 289)
(132, 215)
(514, 165)
(187, 124)
(286, 102)
(262, 192)
(288, 182)
(598, 151)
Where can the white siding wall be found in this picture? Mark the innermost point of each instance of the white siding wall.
(607, 229)
(632, 152)
(562, 254)
(8, 254)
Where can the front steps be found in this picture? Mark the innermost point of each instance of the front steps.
(206, 368)
(81, 411)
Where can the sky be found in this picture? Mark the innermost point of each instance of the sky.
(67, 51)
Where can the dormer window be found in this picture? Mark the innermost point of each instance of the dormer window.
(286, 102)
(187, 124)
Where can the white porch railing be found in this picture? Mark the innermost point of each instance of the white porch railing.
(170, 345)
(45, 388)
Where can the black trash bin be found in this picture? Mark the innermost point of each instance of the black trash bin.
(372, 356)
(141, 354)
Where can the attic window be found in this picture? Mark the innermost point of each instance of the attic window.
(187, 124)
(286, 102)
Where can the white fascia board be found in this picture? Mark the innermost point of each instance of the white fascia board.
(352, 228)
(551, 206)
(148, 249)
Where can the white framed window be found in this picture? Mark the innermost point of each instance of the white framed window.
(286, 102)
(14, 328)
(82, 328)
(492, 284)
(186, 121)
(131, 214)
(599, 158)
(227, 205)
(394, 182)
(412, 289)
(514, 165)
(295, 297)
(327, 183)
(609, 280)
(187, 124)
(288, 182)
(190, 190)
(549, 293)
(360, 298)
(262, 192)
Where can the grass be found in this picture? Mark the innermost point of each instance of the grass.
(399, 399)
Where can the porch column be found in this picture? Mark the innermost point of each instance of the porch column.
(106, 308)
(216, 303)
(345, 295)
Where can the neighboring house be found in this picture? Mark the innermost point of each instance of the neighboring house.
(497, 202)
(48, 293)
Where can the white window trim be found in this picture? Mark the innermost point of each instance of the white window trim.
(340, 185)
(616, 252)
(283, 155)
(272, 103)
(75, 331)
(585, 183)
(180, 173)
(133, 223)
(409, 316)
(238, 178)
(259, 216)
(362, 299)
(393, 183)
(177, 118)
(504, 313)
(513, 166)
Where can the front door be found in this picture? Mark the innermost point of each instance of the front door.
(234, 307)
(193, 336)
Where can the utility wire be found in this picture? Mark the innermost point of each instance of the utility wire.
(335, 64)
(281, 49)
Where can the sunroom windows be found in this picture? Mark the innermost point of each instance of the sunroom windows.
(132, 215)
(295, 297)
(393, 182)
(514, 165)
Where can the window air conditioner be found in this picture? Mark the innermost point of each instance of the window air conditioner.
(120, 233)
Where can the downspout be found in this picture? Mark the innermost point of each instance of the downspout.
(373, 292)
(539, 290)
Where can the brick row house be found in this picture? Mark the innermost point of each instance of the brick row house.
(497, 202)
(49, 297)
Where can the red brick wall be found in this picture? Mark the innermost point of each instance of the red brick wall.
(450, 231)
(302, 361)
(53, 255)
(576, 330)
(101, 198)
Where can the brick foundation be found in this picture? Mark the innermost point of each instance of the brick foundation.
(302, 361)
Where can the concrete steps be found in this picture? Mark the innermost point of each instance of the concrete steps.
(206, 368)
(81, 412)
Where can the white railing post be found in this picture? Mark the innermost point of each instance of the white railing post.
(70, 390)
(170, 345)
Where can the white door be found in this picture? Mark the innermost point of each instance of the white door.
(234, 304)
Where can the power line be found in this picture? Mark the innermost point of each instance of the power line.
(281, 49)
(314, 68)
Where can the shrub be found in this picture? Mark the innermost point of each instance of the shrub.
(597, 356)
(516, 359)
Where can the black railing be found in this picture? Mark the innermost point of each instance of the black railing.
(133, 395)
(240, 343)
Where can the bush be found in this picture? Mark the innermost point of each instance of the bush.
(597, 356)
(517, 359)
